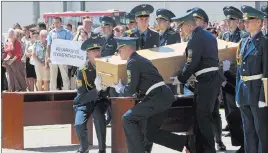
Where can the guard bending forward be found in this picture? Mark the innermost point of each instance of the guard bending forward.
(144, 79)
(86, 102)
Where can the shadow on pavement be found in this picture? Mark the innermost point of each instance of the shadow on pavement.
(60, 148)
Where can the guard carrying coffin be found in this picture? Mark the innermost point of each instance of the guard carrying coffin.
(202, 61)
(155, 97)
(87, 101)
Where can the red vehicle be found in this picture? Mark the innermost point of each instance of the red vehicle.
(75, 17)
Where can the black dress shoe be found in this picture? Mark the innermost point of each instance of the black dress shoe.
(221, 146)
(102, 151)
(240, 150)
(227, 134)
(226, 128)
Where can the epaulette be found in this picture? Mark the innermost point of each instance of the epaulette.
(153, 30)
(238, 56)
(84, 67)
(129, 32)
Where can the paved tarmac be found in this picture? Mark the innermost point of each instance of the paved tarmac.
(57, 139)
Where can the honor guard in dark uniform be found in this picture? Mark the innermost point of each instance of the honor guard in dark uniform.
(200, 16)
(252, 68)
(233, 15)
(87, 101)
(108, 49)
(264, 9)
(155, 97)
(202, 62)
(168, 36)
(110, 44)
(147, 37)
(130, 21)
(202, 19)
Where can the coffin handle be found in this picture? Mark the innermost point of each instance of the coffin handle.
(107, 74)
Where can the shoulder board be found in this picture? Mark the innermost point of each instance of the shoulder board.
(129, 31)
(84, 67)
(153, 30)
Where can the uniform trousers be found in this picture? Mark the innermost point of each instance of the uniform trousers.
(205, 95)
(152, 111)
(255, 127)
(82, 113)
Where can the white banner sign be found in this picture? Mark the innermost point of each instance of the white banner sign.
(67, 52)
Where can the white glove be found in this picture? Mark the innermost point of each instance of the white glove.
(118, 86)
(98, 84)
(262, 104)
(175, 80)
(226, 65)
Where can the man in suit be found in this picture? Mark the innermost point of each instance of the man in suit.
(252, 71)
(147, 37)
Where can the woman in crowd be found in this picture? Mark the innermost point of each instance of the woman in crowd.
(38, 54)
(30, 71)
(12, 63)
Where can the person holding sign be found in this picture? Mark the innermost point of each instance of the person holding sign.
(202, 62)
(145, 82)
(252, 68)
(57, 33)
(87, 101)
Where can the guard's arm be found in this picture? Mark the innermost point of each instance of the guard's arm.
(194, 52)
(264, 95)
(133, 79)
(238, 61)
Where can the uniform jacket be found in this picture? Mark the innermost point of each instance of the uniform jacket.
(109, 47)
(234, 37)
(169, 37)
(86, 90)
(142, 74)
(201, 52)
(251, 61)
(152, 39)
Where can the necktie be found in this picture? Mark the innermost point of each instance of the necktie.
(142, 40)
(248, 43)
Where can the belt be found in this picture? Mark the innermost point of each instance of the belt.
(159, 84)
(206, 70)
(252, 77)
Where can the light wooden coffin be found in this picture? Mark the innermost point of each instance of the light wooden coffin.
(167, 59)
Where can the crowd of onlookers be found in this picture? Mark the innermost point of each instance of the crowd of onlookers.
(24, 53)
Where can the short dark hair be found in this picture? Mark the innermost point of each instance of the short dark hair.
(58, 18)
(35, 32)
(42, 25)
(69, 25)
